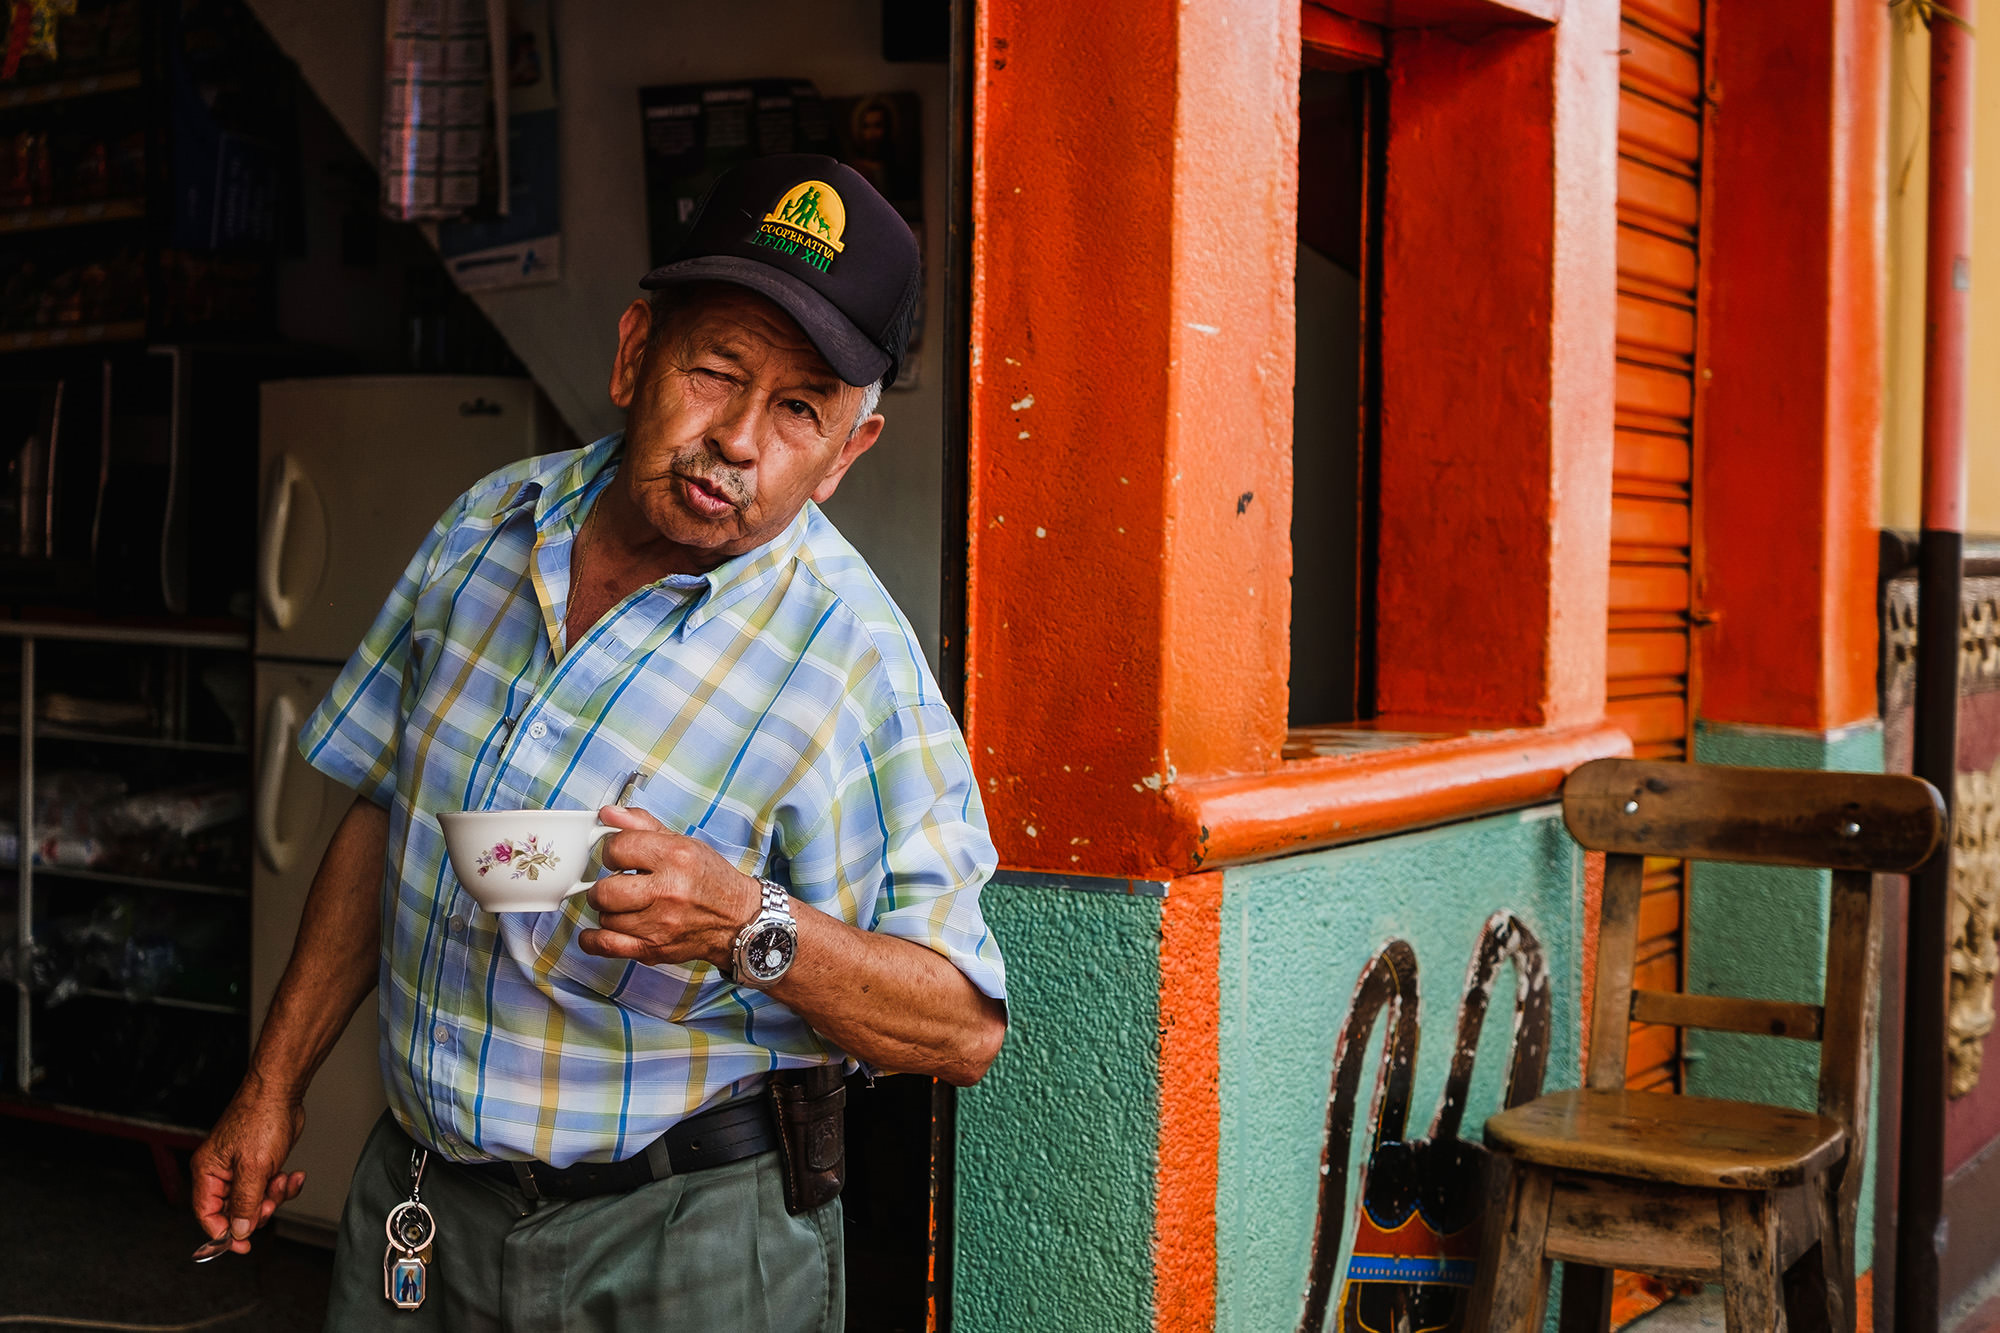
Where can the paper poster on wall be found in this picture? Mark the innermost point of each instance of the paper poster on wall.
(436, 151)
(523, 246)
(696, 131)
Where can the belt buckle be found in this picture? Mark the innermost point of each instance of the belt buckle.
(524, 1177)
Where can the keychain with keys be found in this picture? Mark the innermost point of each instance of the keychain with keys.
(412, 1229)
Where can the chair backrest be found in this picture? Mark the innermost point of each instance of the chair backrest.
(1855, 824)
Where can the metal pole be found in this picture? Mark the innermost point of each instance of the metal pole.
(24, 882)
(953, 593)
(1920, 1231)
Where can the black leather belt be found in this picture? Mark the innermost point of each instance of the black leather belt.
(714, 1138)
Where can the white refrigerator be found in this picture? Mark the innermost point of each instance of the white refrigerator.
(353, 473)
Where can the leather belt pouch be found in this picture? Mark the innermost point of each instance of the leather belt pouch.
(809, 1105)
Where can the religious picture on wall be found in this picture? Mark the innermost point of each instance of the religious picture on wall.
(880, 135)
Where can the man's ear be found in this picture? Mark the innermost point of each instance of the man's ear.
(635, 330)
(860, 442)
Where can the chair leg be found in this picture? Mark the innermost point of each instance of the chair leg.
(1751, 1295)
(1807, 1309)
(1513, 1287)
(1586, 1299)
(1836, 1255)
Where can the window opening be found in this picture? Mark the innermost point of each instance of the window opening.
(1333, 489)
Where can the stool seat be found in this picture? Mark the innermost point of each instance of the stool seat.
(1674, 1140)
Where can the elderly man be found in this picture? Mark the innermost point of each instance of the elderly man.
(628, 1116)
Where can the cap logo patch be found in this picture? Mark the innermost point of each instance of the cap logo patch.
(806, 224)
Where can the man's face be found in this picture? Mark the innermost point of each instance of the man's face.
(732, 422)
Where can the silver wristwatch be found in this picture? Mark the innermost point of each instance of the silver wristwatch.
(765, 948)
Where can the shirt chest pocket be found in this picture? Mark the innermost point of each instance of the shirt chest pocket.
(749, 846)
(670, 991)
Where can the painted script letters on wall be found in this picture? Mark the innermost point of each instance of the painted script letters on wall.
(1416, 1228)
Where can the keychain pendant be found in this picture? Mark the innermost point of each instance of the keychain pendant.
(411, 1228)
(405, 1278)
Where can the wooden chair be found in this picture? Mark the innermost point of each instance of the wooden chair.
(1760, 1198)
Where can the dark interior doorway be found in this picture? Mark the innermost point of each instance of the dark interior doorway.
(900, 1131)
(1341, 117)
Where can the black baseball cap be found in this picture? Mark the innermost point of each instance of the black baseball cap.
(815, 237)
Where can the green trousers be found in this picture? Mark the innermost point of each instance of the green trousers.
(711, 1250)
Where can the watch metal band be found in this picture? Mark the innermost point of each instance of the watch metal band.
(774, 907)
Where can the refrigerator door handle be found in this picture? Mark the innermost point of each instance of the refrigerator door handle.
(281, 727)
(280, 607)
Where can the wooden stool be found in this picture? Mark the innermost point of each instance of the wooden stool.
(1760, 1198)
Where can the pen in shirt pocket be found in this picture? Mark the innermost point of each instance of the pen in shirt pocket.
(624, 799)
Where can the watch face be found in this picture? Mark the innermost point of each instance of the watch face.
(769, 953)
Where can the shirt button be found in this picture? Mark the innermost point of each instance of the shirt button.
(537, 729)
(442, 1033)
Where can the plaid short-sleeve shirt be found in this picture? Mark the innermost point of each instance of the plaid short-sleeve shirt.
(780, 711)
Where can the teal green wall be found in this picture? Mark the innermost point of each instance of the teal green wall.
(1295, 935)
(1056, 1145)
(1760, 932)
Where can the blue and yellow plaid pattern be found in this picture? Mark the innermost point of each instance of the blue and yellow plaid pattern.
(783, 714)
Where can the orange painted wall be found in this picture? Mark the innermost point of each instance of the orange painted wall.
(1132, 383)
(1131, 409)
(1229, 420)
(1497, 335)
(1190, 1104)
(1788, 472)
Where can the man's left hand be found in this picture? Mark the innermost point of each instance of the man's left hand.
(685, 903)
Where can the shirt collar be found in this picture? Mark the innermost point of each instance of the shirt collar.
(555, 496)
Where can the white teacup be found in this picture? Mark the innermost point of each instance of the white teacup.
(522, 860)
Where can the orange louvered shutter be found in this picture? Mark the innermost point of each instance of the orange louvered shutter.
(1652, 555)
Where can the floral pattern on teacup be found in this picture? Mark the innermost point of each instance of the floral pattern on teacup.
(520, 859)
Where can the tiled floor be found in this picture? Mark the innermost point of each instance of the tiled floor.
(86, 1236)
(1983, 1318)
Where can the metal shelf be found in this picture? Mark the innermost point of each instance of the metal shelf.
(45, 732)
(30, 1107)
(72, 215)
(138, 881)
(73, 335)
(63, 90)
(163, 1001)
(26, 871)
(237, 640)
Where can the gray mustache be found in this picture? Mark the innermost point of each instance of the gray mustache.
(698, 464)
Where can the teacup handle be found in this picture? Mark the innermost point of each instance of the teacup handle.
(598, 833)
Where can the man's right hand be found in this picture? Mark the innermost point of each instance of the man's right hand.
(239, 1175)
(239, 1179)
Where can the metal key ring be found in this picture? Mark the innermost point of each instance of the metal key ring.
(410, 1226)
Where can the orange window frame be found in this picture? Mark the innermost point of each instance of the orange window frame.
(1128, 534)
